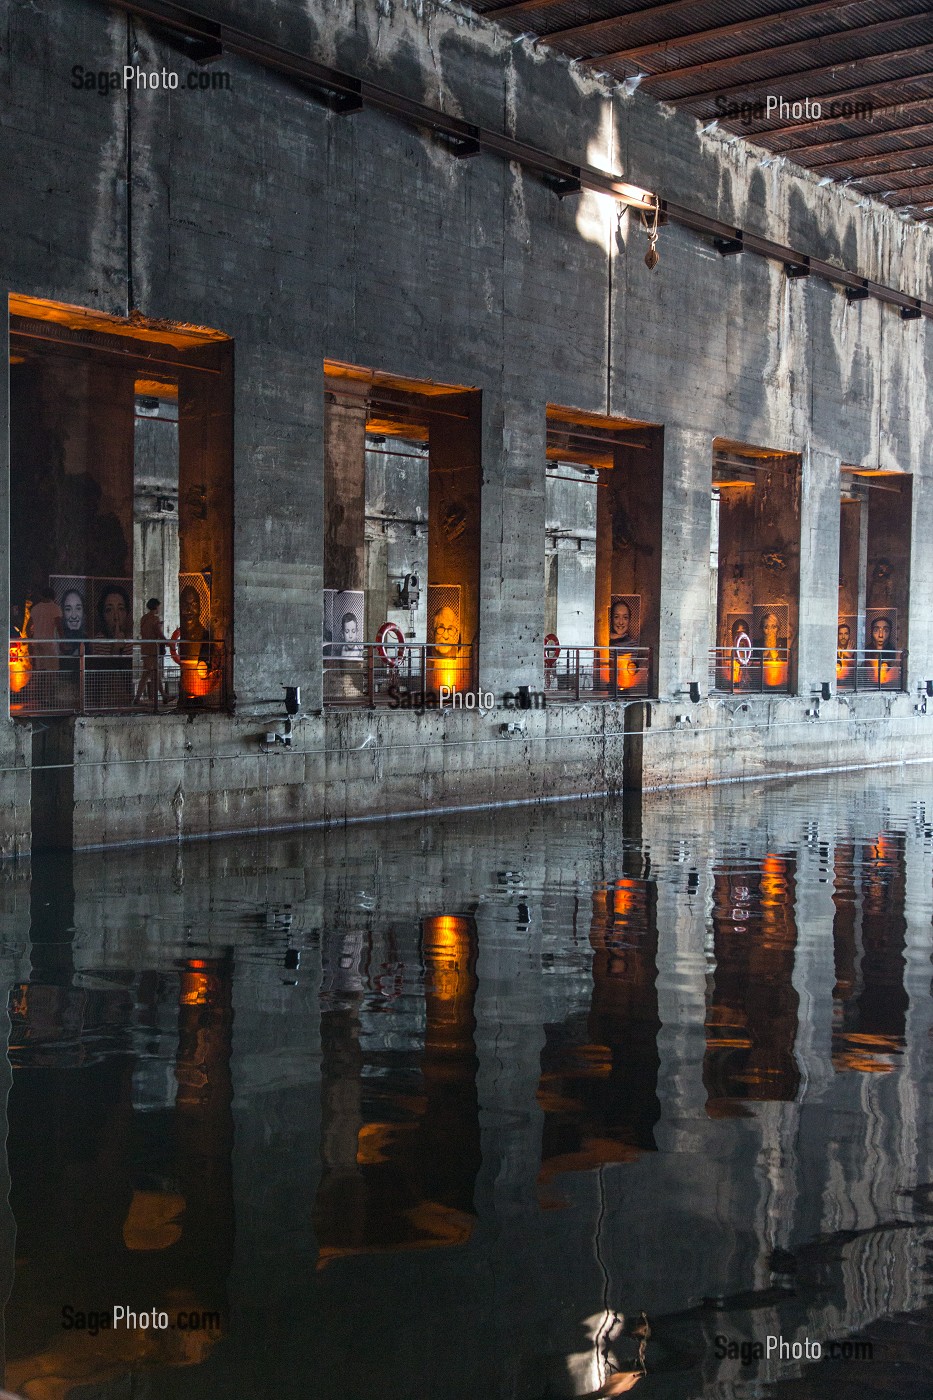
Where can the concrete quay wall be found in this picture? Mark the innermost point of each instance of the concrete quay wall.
(159, 779)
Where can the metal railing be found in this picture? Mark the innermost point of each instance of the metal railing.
(751, 670)
(871, 670)
(102, 676)
(395, 676)
(596, 673)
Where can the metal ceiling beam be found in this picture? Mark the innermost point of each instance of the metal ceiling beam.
(838, 141)
(922, 192)
(781, 50)
(809, 124)
(877, 162)
(922, 172)
(515, 7)
(698, 36)
(802, 75)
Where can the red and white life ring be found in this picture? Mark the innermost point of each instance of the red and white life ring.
(551, 649)
(390, 641)
(173, 648)
(743, 648)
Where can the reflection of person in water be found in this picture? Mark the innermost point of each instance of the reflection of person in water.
(350, 648)
(620, 624)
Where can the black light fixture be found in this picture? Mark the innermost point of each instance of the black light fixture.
(825, 691)
(695, 692)
(929, 688)
(292, 699)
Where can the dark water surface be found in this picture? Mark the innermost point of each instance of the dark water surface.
(502, 1106)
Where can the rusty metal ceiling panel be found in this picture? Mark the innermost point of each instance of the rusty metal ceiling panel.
(872, 58)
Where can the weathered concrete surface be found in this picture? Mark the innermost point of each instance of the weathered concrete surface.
(304, 235)
(156, 779)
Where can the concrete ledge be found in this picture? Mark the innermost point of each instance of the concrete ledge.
(143, 779)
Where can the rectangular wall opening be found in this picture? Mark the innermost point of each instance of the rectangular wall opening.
(755, 567)
(874, 579)
(402, 484)
(120, 492)
(603, 494)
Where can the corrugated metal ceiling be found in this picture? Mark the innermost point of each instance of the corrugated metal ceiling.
(705, 55)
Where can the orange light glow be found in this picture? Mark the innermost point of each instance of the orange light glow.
(20, 666)
(195, 989)
(197, 679)
(774, 672)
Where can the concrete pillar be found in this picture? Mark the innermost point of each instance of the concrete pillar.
(686, 629)
(513, 540)
(920, 576)
(455, 478)
(817, 628)
(345, 490)
(278, 576)
(205, 482)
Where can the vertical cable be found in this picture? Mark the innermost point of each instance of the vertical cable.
(130, 294)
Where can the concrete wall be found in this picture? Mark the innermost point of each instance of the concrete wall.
(305, 235)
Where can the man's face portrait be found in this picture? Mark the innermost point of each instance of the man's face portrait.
(446, 630)
(843, 636)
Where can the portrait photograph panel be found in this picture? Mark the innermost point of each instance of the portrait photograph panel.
(624, 618)
(347, 626)
(737, 624)
(881, 629)
(111, 607)
(444, 612)
(770, 620)
(847, 632)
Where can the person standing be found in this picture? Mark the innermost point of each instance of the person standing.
(151, 679)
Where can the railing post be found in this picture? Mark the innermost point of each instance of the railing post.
(577, 690)
(370, 676)
(81, 679)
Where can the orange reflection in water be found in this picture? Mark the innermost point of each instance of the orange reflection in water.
(399, 1168)
(598, 1085)
(153, 1247)
(751, 1018)
(869, 940)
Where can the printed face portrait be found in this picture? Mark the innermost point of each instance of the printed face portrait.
(620, 620)
(189, 605)
(843, 636)
(446, 630)
(114, 611)
(738, 627)
(881, 633)
(769, 629)
(349, 629)
(73, 611)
